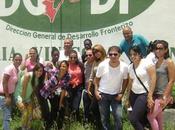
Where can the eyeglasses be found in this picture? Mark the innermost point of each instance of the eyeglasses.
(113, 54)
(159, 48)
(89, 55)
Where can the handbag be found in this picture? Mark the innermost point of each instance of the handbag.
(140, 79)
(36, 113)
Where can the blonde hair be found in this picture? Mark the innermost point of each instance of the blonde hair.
(101, 49)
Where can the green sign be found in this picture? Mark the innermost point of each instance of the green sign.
(64, 16)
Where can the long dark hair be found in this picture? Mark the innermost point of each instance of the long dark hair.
(136, 49)
(40, 82)
(152, 46)
(165, 44)
(34, 48)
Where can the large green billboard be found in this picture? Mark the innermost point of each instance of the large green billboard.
(46, 23)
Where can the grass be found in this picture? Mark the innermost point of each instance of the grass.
(75, 125)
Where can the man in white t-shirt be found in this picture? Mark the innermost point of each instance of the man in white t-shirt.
(110, 83)
(68, 46)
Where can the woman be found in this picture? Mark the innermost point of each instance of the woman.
(99, 56)
(142, 80)
(76, 70)
(164, 85)
(31, 60)
(55, 57)
(54, 89)
(27, 92)
(87, 71)
(7, 88)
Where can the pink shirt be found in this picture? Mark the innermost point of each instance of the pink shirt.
(76, 74)
(29, 65)
(12, 72)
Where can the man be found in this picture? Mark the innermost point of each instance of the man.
(87, 45)
(68, 46)
(87, 71)
(130, 40)
(110, 83)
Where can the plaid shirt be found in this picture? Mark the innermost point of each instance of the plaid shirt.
(52, 84)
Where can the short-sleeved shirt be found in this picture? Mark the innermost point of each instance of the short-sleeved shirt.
(111, 78)
(151, 57)
(13, 73)
(29, 65)
(64, 57)
(76, 73)
(142, 73)
(136, 40)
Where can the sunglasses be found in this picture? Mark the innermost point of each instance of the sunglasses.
(89, 55)
(113, 54)
(95, 51)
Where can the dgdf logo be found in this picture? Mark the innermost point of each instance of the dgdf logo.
(69, 15)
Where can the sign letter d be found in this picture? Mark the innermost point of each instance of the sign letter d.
(9, 10)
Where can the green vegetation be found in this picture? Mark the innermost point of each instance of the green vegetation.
(75, 125)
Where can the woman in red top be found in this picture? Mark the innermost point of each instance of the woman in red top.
(76, 71)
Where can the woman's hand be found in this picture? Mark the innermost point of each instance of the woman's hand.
(89, 91)
(119, 97)
(150, 102)
(20, 106)
(8, 101)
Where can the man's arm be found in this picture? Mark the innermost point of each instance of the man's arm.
(124, 86)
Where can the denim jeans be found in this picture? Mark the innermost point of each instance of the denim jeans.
(6, 113)
(105, 103)
(86, 105)
(74, 100)
(138, 117)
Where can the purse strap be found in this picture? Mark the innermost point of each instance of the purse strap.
(140, 79)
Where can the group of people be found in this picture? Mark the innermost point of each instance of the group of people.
(99, 77)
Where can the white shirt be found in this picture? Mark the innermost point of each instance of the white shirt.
(142, 73)
(111, 78)
(64, 57)
(151, 58)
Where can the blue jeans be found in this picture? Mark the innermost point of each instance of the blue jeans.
(139, 110)
(74, 99)
(105, 103)
(6, 113)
